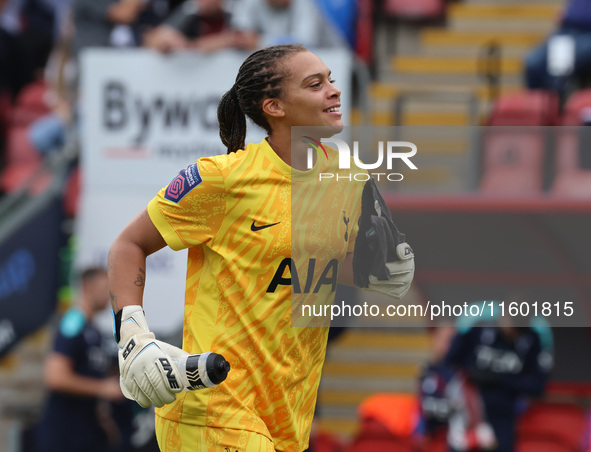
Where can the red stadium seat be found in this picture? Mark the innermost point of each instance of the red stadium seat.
(513, 160)
(365, 30)
(572, 178)
(415, 10)
(31, 104)
(574, 107)
(72, 193)
(19, 149)
(436, 443)
(572, 184)
(554, 423)
(387, 424)
(325, 442)
(514, 153)
(543, 445)
(526, 108)
(375, 436)
(22, 160)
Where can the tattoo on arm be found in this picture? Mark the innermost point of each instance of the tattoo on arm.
(140, 278)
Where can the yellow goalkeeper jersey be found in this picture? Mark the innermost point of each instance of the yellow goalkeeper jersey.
(256, 231)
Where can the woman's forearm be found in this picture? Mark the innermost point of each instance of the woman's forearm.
(127, 274)
(127, 261)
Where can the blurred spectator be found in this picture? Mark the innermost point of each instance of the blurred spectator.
(106, 23)
(76, 376)
(197, 25)
(435, 407)
(206, 25)
(505, 362)
(452, 414)
(468, 426)
(48, 133)
(26, 39)
(566, 55)
(263, 23)
(93, 23)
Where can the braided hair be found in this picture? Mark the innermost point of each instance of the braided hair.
(260, 77)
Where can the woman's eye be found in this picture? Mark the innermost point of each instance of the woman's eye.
(332, 81)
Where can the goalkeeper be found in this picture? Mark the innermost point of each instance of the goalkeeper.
(233, 213)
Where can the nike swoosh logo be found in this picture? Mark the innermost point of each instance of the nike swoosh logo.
(255, 228)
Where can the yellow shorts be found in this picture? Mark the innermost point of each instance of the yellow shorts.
(177, 437)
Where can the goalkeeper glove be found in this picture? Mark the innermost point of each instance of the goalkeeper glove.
(149, 374)
(401, 274)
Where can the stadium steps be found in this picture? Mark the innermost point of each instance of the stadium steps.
(447, 58)
(382, 95)
(22, 389)
(478, 16)
(437, 42)
(424, 60)
(363, 362)
(442, 38)
(508, 11)
(420, 64)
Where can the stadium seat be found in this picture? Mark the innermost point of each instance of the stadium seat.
(415, 10)
(514, 146)
(543, 445)
(513, 160)
(22, 160)
(365, 30)
(387, 423)
(572, 164)
(526, 108)
(325, 442)
(31, 104)
(436, 443)
(560, 424)
(375, 436)
(574, 107)
(572, 184)
(72, 193)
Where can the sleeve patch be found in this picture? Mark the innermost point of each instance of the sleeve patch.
(186, 181)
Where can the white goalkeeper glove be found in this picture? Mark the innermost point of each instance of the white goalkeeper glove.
(148, 372)
(401, 274)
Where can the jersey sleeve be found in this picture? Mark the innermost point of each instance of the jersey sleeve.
(190, 209)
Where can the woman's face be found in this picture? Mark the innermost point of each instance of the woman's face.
(309, 96)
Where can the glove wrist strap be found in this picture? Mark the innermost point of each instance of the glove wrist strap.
(129, 321)
(117, 324)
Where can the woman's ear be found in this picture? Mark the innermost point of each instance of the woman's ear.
(273, 107)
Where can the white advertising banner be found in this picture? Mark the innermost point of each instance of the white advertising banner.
(144, 117)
